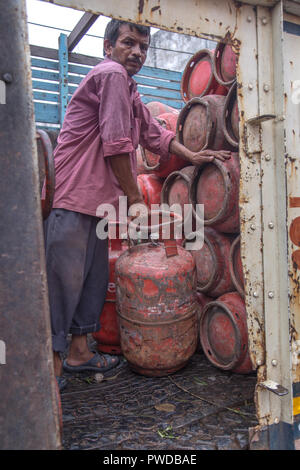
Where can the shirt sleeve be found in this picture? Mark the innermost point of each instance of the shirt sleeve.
(115, 114)
(153, 136)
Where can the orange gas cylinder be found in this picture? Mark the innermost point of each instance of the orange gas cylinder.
(153, 162)
(236, 267)
(225, 60)
(150, 187)
(175, 189)
(231, 117)
(216, 186)
(156, 108)
(200, 124)
(202, 300)
(108, 336)
(224, 333)
(198, 78)
(140, 167)
(212, 264)
(157, 307)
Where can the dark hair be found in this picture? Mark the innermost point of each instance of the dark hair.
(112, 31)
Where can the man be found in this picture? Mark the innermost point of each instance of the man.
(95, 163)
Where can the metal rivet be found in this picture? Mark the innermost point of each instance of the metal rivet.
(255, 294)
(274, 362)
(270, 225)
(250, 86)
(252, 226)
(7, 77)
(249, 19)
(266, 88)
(271, 295)
(267, 157)
(264, 20)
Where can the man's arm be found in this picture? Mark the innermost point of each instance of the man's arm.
(197, 157)
(121, 167)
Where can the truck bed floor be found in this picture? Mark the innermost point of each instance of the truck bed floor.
(198, 408)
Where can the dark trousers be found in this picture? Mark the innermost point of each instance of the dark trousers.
(77, 271)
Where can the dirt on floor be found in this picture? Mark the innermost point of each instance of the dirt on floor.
(199, 407)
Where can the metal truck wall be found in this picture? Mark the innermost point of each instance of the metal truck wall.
(28, 407)
(291, 36)
(256, 34)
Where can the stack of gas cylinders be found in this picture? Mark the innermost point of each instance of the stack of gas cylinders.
(209, 119)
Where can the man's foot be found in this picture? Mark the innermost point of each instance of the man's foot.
(98, 363)
(61, 382)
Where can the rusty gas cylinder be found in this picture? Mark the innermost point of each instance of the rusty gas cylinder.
(202, 300)
(108, 336)
(231, 117)
(46, 171)
(153, 162)
(224, 63)
(200, 124)
(198, 78)
(157, 307)
(224, 333)
(150, 187)
(212, 264)
(175, 190)
(216, 186)
(157, 108)
(236, 267)
(140, 167)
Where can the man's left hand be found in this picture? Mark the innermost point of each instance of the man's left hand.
(209, 155)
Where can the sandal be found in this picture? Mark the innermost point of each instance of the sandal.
(61, 382)
(105, 361)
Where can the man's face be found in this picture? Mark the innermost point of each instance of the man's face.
(130, 49)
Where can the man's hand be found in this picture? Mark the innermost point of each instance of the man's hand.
(196, 158)
(137, 209)
(209, 155)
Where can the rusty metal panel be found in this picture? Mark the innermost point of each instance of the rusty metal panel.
(250, 182)
(292, 114)
(273, 407)
(203, 18)
(28, 405)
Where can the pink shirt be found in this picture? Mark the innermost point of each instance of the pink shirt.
(105, 117)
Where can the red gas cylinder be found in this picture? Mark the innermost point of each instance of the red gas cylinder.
(198, 78)
(152, 162)
(231, 117)
(224, 61)
(236, 267)
(212, 264)
(216, 185)
(46, 171)
(157, 307)
(202, 300)
(200, 124)
(140, 167)
(157, 108)
(150, 187)
(224, 334)
(108, 337)
(175, 190)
